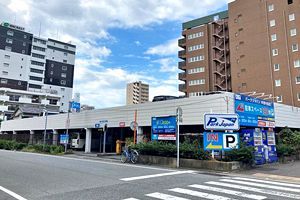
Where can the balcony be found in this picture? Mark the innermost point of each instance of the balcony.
(4, 98)
(182, 76)
(182, 87)
(181, 65)
(3, 108)
(182, 54)
(182, 42)
(24, 100)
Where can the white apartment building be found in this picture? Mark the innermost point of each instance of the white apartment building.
(137, 92)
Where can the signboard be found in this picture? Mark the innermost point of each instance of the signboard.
(220, 141)
(64, 139)
(102, 124)
(121, 124)
(8, 25)
(75, 106)
(221, 122)
(254, 112)
(163, 128)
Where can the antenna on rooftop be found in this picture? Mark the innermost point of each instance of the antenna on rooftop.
(40, 29)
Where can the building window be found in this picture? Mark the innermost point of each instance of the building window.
(4, 73)
(39, 48)
(278, 83)
(276, 67)
(51, 79)
(51, 72)
(52, 65)
(66, 47)
(294, 47)
(19, 83)
(7, 48)
(25, 36)
(196, 47)
(273, 37)
(197, 82)
(8, 40)
(292, 17)
(297, 63)
(279, 98)
(196, 70)
(63, 82)
(274, 52)
(62, 89)
(293, 32)
(10, 32)
(298, 96)
(272, 23)
(64, 61)
(34, 78)
(64, 68)
(196, 59)
(271, 7)
(38, 55)
(65, 54)
(5, 65)
(290, 1)
(7, 56)
(24, 44)
(36, 71)
(298, 80)
(3, 81)
(63, 75)
(37, 63)
(195, 35)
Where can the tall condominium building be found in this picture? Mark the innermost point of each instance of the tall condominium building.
(43, 68)
(205, 54)
(137, 92)
(264, 50)
(264, 40)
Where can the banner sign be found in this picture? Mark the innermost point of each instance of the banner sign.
(254, 112)
(163, 128)
(64, 139)
(220, 141)
(221, 122)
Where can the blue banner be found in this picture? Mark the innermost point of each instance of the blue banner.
(220, 141)
(163, 128)
(254, 112)
(64, 139)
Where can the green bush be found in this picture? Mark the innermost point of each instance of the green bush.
(284, 150)
(168, 149)
(244, 154)
(56, 149)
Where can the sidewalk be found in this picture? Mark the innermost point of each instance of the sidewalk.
(113, 157)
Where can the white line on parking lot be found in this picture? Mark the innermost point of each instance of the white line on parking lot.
(11, 193)
(156, 175)
(93, 161)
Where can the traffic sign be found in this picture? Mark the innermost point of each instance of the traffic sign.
(133, 125)
(220, 141)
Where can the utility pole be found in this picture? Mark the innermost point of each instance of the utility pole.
(178, 119)
(68, 124)
(45, 131)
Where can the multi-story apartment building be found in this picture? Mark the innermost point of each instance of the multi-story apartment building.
(42, 67)
(264, 37)
(205, 54)
(137, 92)
(264, 40)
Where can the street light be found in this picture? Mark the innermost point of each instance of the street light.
(45, 131)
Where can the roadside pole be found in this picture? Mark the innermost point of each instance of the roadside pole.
(67, 131)
(104, 137)
(45, 131)
(134, 129)
(179, 119)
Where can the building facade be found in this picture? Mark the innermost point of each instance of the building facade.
(264, 42)
(205, 55)
(261, 51)
(42, 67)
(137, 92)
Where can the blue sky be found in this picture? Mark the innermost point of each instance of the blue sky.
(118, 41)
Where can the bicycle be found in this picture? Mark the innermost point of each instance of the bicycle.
(129, 155)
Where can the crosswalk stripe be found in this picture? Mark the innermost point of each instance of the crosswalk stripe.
(158, 195)
(264, 181)
(199, 194)
(261, 185)
(257, 190)
(231, 192)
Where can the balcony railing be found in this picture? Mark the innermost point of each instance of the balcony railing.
(182, 42)
(182, 76)
(181, 65)
(182, 87)
(182, 54)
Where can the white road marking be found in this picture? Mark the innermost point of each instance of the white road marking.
(92, 161)
(257, 190)
(270, 182)
(231, 192)
(131, 199)
(158, 195)
(156, 175)
(199, 194)
(261, 185)
(11, 193)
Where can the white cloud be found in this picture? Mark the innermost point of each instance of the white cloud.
(166, 49)
(168, 64)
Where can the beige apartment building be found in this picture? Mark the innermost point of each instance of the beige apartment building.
(264, 37)
(137, 92)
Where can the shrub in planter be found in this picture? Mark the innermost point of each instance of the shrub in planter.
(244, 154)
(284, 150)
(56, 149)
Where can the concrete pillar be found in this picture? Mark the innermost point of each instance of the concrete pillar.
(140, 135)
(88, 140)
(55, 137)
(31, 137)
(14, 136)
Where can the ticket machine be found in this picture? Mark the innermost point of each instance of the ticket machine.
(270, 146)
(254, 137)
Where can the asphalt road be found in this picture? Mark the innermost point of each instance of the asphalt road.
(26, 176)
